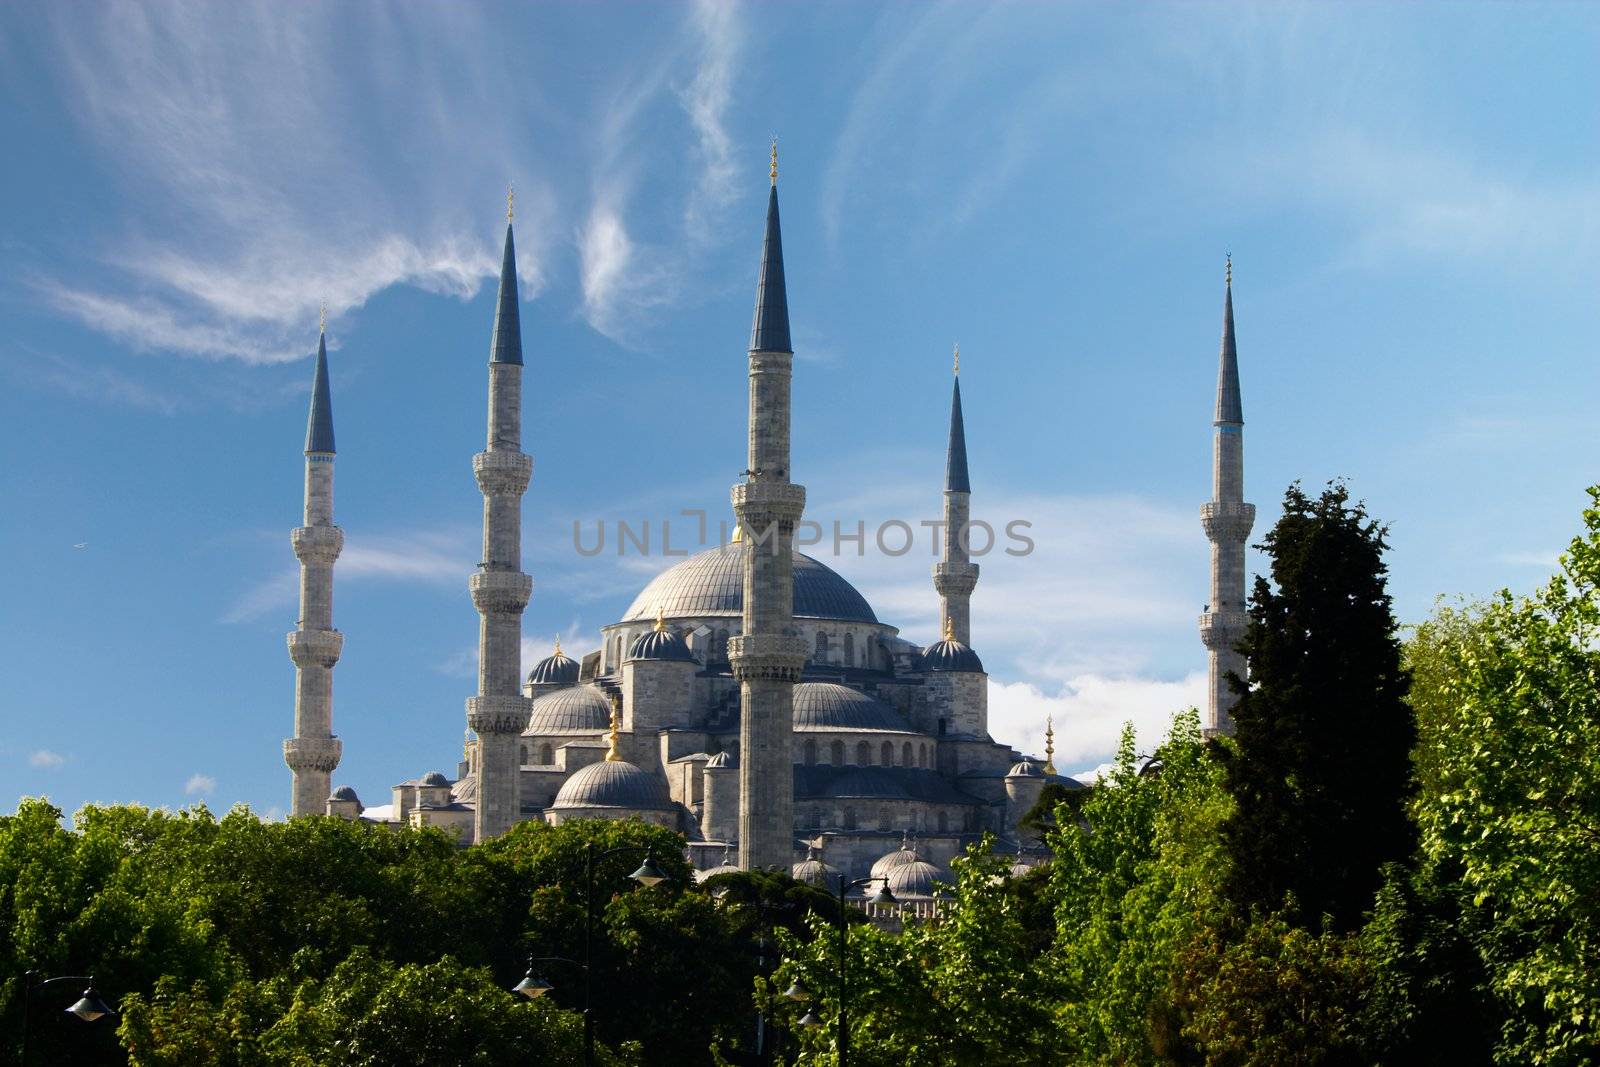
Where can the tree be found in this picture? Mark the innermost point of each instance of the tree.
(1320, 766)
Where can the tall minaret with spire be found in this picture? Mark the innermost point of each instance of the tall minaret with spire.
(1227, 520)
(500, 591)
(955, 575)
(313, 752)
(767, 656)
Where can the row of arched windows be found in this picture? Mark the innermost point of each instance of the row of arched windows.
(846, 819)
(547, 755)
(824, 644)
(919, 755)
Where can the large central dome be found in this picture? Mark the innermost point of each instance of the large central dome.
(712, 583)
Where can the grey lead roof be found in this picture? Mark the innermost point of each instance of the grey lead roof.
(770, 330)
(613, 784)
(507, 344)
(955, 464)
(319, 427)
(712, 583)
(1230, 409)
(828, 706)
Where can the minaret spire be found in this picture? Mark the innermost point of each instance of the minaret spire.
(1227, 520)
(955, 575)
(314, 646)
(766, 656)
(500, 591)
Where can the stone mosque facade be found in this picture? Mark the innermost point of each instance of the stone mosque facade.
(750, 697)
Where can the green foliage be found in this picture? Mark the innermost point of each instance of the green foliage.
(1321, 771)
(1510, 809)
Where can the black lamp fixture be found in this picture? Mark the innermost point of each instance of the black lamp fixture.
(532, 985)
(648, 874)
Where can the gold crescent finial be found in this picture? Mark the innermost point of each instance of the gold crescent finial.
(774, 174)
(958, 359)
(1229, 271)
(614, 754)
(1049, 744)
(949, 629)
(558, 644)
(511, 201)
(322, 320)
(661, 619)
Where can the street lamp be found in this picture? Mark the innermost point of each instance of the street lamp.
(533, 986)
(799, 993)
(88, 1007)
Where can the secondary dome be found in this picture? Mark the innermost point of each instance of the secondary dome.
(712, 583)
(434, 778)
(918, 878)
(557, 669)
(812, 871)
(831, 706)
(1024, 770)
(898, 858)
(661, 644)
(951, 655)
(578, 710)
(613, 784)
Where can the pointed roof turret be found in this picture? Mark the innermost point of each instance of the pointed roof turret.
(507, 344)
(1230, 409)
(955, 464)
(770, 330)
(319, 427)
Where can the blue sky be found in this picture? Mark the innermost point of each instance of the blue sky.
(1408, 192)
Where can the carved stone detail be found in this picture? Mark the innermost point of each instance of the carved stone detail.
(313, 753)
(498, 714)
(317, 544)
(500, 592)
(315, 648)
(502, 471)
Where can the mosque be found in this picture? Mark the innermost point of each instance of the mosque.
(750, 697)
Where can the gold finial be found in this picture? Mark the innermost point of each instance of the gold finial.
(322, 320)
(661, 620)
(738, 533)
(958, 359)
(949, 629)
(1049, 745)
(774, 161)
(1228, 276)
(558, 645)
(614, 755)
(511, 201)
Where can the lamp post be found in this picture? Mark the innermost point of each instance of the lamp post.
(798, 992)
(532, 986)
(764, 1045)
(88, 1007)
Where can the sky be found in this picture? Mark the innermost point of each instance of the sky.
(1410, 193)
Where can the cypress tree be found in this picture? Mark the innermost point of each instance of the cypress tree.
(1321, 765)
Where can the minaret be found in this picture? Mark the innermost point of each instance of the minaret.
(500, 591)
(313, 752)
(1227, 520)
(767, 656)
(955, 575)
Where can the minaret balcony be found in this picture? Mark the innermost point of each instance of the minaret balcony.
(954, 578)
(313, 754)
(1226, 522)
(502, 471)
(1221, 631)
(500, 592)
(767, 657)
(315, 648)
(317, 544)
(759, 504)
(498, 714)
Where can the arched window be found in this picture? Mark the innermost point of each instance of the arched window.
(836, 753)
(822, 646)
(849, 650)
(863, 754)
(905, 755)
(811, 752)
(849, 818)
(944, 822)
(547, 755)
(883, 818)
(887, 756)
(524, 754)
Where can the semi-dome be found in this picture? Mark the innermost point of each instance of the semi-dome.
(557, 668)
(580, 709)
(662, 644)
(829, 706)
(951, 655)
(613, 784)
(721, 761)
(918, 878)
(1024, 770)
(712, 583)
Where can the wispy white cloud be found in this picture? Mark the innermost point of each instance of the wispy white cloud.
(46, 760)
(706, 100)
(1088, 712)
(200, 785)
(85, 381)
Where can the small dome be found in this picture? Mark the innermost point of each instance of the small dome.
(721, 759)
(917, 878)
(434, 778)
(898, 858)
(727, 866)
(613, 784)
(812, 871)
(556, 669)
(661, 644)
(1024, 770)
(344, 792)
(1021, 867)
(951, 655)
(830, 706)
(575, 710)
